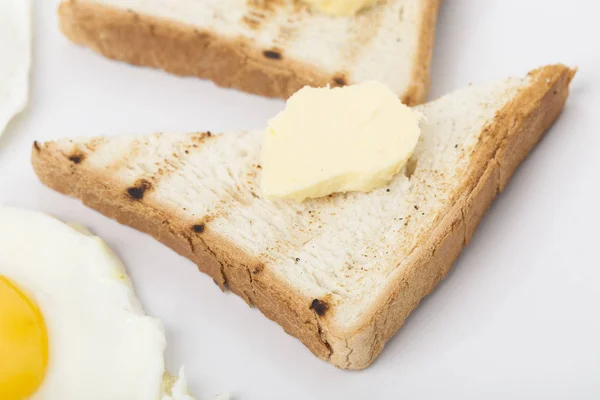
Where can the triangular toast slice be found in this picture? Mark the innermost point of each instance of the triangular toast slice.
(340, 273)
(272, 48)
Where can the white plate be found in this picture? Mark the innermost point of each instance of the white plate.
(518, 317)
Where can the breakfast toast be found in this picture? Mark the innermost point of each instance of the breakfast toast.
(340, 273)
(268, 47)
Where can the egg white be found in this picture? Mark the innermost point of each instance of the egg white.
(101, 343)
(15, 53)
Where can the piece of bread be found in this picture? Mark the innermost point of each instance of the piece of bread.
(340, 273)
(268, 47)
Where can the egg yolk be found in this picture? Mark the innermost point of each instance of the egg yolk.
(23, 343)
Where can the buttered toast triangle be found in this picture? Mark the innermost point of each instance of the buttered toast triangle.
(268, 47)
(340, 273)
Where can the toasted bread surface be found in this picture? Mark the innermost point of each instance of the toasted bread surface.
(347, 331)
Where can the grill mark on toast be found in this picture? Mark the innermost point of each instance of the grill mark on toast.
(174, 158)
(123, 160)
(260, 11)
(82, 151)
(250, 22)
(181, 150)
(78, 152)
(184, 162)
(161, 168)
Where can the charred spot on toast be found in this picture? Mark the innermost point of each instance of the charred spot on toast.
(198, 228)
(137, 191)
(273, 54)
(319, 306)
(36, 145)
(258, 269)
(339, 80)
(76, 157)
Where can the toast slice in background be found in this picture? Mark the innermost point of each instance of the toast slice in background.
(268, 47)
(340, 273)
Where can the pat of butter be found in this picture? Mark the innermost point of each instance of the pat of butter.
(354, 138)
(340, 7)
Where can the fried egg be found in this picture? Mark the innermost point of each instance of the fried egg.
(71, 325)
(15, 50)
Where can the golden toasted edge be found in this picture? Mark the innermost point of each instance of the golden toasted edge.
(513, 133)
(183, 50)
(421, 76)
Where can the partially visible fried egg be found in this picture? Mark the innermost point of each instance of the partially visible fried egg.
(15, 56)
(71, 325)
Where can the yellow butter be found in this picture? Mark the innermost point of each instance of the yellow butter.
(340, 7)
(354, 138)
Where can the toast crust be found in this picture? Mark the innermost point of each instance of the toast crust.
(504, 144)
(421, 77)
(184, 50)
(508, 138)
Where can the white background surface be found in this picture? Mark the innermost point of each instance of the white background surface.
(519, 317)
